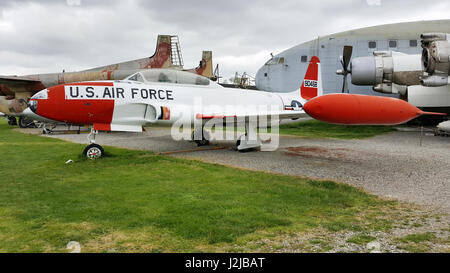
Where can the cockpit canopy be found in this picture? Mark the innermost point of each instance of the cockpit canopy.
(275, 60)
(169, 76)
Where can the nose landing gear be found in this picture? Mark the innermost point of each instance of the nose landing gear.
(93, 151)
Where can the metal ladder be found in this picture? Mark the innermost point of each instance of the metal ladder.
(175, 55)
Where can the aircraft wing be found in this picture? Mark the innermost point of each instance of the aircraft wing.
(17, 81)
(284, 114)
(9, 85)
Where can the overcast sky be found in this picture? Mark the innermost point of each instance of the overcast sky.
(51, 35)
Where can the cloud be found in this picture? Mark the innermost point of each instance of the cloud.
(47, 36)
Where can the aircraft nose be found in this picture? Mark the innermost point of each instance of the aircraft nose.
(33, 105)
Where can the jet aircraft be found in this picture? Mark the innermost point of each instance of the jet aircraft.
(185, 99)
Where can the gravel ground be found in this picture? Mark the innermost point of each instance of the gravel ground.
(392, 165)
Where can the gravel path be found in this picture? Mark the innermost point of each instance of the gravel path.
(392, 165)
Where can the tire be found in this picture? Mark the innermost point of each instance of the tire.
(203, 142)
(26, 123)
(93, 151)
(12, 121)
(238, 142)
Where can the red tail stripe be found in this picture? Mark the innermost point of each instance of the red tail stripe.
(312, 74)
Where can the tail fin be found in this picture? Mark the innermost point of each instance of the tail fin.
(162, 58)
(205, 66)
(312, 83)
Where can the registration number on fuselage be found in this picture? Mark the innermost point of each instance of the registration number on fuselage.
(111, 92)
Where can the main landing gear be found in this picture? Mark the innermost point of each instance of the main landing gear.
(12, 121)
(25, 122)
(245, 143)
(93, 150)
(250, 141)
(201, 137)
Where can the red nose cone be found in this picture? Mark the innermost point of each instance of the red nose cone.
(360, 110)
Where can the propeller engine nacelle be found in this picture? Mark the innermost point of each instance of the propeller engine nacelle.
(435, 59)
(387, 71)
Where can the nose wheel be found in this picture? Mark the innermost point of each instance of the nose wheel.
(93, 151)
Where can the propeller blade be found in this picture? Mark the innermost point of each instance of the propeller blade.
(345, 61)
(347, 55)
(345, 83)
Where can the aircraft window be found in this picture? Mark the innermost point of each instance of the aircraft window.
(392, 44)
(272, 61)
(169, 76)
(281, 61)
(136, 77)
(372, 44)
(304, 59)
(163, 77)
(201, 81)
(413, 43)
(133, 78)
(139, 77)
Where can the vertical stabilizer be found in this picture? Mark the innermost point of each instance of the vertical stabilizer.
(205, 66)
(312, 83)
(162, 58)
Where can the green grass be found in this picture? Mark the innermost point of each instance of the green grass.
(361, 239)
(419, 242)
(136, 201)
(418, 238)
(318, 129)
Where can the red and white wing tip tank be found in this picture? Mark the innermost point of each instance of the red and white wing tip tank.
(354, 109)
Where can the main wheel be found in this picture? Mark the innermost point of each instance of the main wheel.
(93, 151)
(204, 141)
(12, 121)
(26, 123)
(238, 142)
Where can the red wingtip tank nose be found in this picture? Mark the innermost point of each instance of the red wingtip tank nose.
(353, 109)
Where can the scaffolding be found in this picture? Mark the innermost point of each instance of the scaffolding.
(175, 51)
